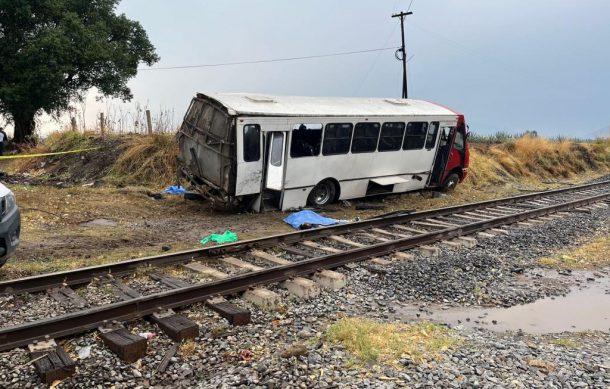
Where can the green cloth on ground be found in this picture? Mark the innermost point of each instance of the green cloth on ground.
(225, 237)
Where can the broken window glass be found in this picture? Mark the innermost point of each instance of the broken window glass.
(432, 134)
(306, 140)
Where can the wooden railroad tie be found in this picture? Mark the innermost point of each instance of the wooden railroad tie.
(127, 346)
(52, 363)
(67, 297)
(235, 315)
(177, 327)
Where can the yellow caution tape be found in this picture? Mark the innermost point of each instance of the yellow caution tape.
(47, 154)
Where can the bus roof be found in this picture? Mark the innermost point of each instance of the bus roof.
(267, 105)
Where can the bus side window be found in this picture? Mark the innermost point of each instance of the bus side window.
(252, 142)
(306, 140)
(415, 135)
(432, 133)
(391, 136)
(366, 136)
(337, 138)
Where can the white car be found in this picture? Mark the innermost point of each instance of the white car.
(10, 223)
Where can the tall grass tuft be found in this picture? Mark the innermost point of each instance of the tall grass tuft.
(149, 159)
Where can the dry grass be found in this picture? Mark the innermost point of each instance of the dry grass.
(55, 142)
(147, 159)
(187, 349)
(545, 367)
(589, 255)
(127, 159)
(567, 343)
(536, 158)
(386, 343)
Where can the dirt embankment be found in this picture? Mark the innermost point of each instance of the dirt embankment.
(123, 160)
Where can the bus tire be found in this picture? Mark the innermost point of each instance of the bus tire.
(322, 194)
(451, 182)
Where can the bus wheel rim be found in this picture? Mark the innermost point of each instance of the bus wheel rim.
(322, 194)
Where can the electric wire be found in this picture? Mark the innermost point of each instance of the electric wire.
(258, 61)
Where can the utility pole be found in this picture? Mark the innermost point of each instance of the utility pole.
(403, 52)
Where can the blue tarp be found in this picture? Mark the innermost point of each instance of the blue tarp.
(174, 190)
(297, 219)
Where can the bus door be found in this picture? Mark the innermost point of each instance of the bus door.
(275, 161)
(442, 154)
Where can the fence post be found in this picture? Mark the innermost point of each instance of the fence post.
(149, 122)
(73, 123)
(102, 124)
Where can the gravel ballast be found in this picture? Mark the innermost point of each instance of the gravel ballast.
(500, 271)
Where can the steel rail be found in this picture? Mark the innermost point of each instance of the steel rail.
(86, 274)
(82, 321)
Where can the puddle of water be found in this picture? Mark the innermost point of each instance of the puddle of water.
(99, 223)
(587, 308)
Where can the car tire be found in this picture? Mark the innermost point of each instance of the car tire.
(451, 182)
(322, 194)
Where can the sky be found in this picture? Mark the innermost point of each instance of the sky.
(509, 66)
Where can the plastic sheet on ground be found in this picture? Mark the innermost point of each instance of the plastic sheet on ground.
(297, 219)
(225, 237)
(175, 190)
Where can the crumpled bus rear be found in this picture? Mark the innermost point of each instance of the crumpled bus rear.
(207, 148)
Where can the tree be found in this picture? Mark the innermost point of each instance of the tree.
(53, 50)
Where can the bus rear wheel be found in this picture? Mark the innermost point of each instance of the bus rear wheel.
(322, 194)
(451, 182)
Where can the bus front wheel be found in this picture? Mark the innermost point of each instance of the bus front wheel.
(451, 182)
(322, 194)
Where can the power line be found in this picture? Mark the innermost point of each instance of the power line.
(270, 60)
(410, 4)
(366, 76)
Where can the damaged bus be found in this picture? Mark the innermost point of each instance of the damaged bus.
(285, 152)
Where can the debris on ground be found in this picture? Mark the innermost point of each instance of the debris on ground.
(175, 190)
(225, 237)
(369, 206)
(307, 217)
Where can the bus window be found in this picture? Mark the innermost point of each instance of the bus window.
(415, 136)
(365, 137)
(252, 142)
(337, 138)
(306, 140)
(432, 133)
(391, 136)
(277, 149)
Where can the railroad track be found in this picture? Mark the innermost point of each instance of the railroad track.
(209, 274)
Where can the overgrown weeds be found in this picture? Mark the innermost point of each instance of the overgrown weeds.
(386, 343)
(535, 158)
(147, 159)
(122, 159)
